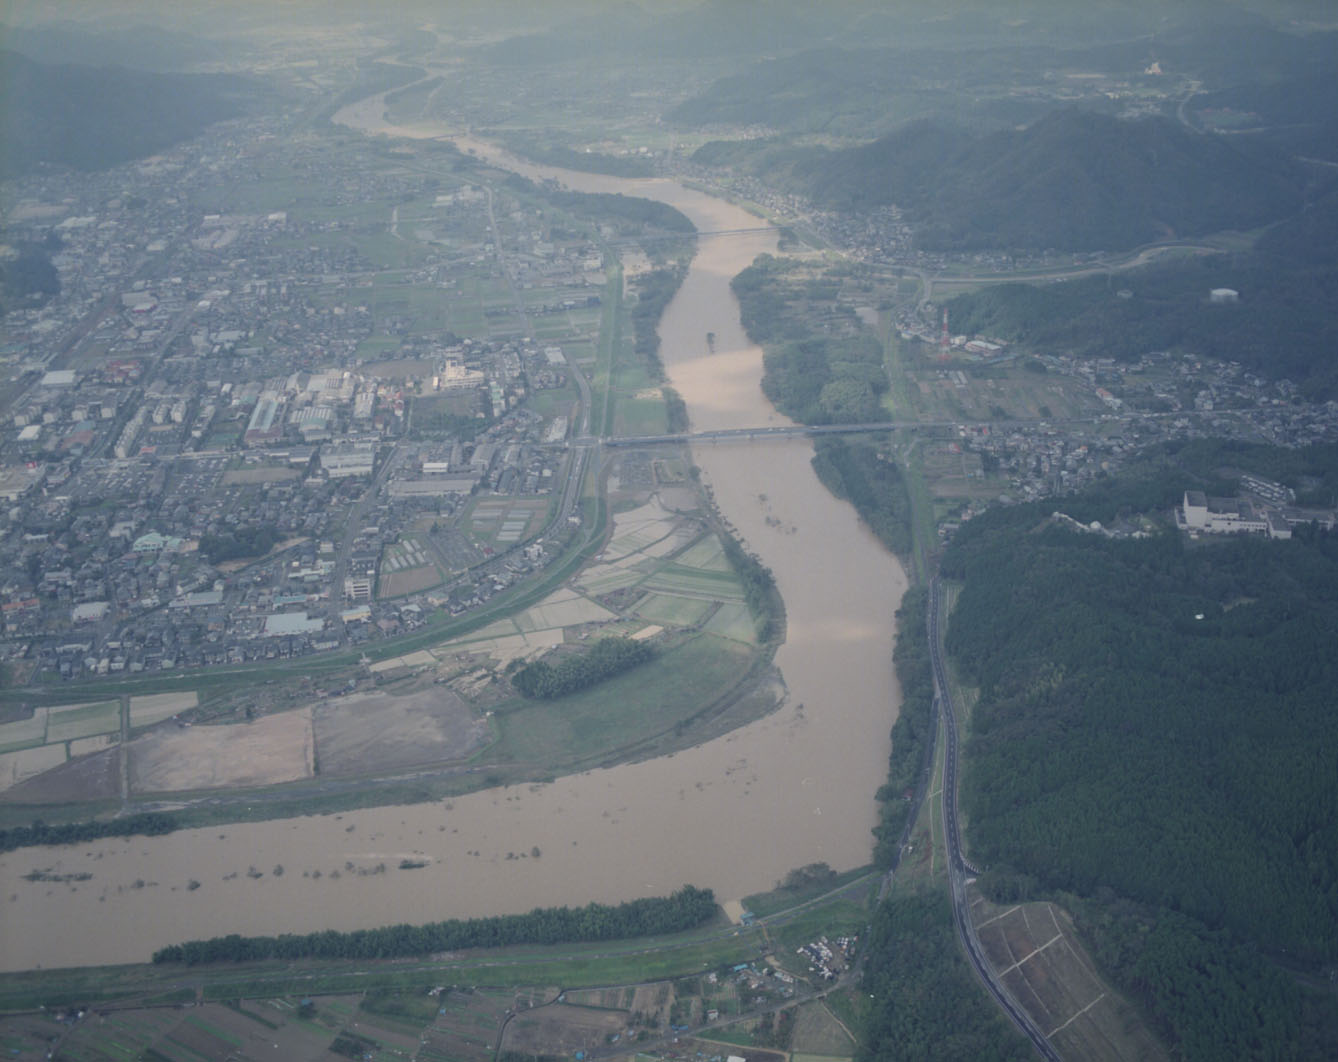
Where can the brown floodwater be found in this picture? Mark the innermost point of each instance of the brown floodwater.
(733, 815)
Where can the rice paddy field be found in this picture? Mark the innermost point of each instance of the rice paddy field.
(53, 735)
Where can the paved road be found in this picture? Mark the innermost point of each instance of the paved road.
(356, 518)
(958, 866)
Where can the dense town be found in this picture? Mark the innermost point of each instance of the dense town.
(216, 385)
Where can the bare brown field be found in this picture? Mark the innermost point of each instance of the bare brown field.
(411, 580)
(256, 1029)
(18, 767)
(92, 777)
(199, 1041)
(656, 999)
(270, 750)
(395, 1037)
(562, 1029)
(123, 1034)
(376, 731)
(1035, 950)
(219, 1032)
(468, 1024)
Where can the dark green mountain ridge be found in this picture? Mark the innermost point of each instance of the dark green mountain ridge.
(1071, 181)
(1282, 326)
(90, 118)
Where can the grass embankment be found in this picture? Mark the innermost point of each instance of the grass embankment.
(587, 965)
(805, 886)
(603, 379)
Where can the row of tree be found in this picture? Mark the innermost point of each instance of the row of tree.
(150, 824)
(913, 732)
(654, 290)
(759, 589)
(577, 671)
(685, 909)
(873, 484)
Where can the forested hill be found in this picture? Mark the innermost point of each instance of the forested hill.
(1073, 181)
(1282, 325)
(141, 46)
(90, 118)
(1155, 733)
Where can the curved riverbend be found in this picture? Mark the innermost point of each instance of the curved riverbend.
(733, 815)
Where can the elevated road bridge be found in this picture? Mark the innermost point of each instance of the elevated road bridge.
(778, 432)
(696, 234)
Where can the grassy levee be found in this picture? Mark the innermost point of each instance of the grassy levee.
(587, 965)
(603, 381)
(629, 961)
(781, 898)
(924, 525)
(898, 401)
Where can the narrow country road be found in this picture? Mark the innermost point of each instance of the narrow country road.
(958, 867)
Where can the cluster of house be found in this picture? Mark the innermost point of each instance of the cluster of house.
(827, 958)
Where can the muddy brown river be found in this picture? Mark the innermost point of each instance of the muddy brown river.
(733, 815)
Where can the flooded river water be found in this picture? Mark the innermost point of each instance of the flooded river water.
(733, 815)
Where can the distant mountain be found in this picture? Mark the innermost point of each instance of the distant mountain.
(90, 118)
(620, 29)
(1282, 324)
(743, 28)
(143, 47)
(1072, 181)
(1222, 51)
(862, 77)
(864, 92)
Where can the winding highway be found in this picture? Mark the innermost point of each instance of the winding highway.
(958, 866)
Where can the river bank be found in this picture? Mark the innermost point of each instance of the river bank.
(734, 814)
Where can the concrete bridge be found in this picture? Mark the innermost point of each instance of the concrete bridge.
(778, 432)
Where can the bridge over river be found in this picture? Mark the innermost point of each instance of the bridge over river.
(791, 430)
